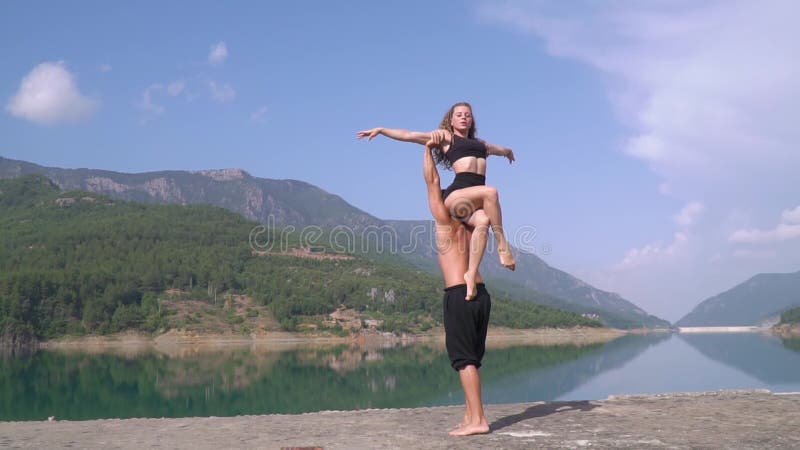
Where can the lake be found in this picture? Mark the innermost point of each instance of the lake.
(234, 381)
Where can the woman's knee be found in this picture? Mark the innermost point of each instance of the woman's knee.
(480, 219)
(491, 194)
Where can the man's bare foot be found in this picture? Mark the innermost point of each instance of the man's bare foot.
(507, 258)
(470, 279)
(463, 422)
(470, 429)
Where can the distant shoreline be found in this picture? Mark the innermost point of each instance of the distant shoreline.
(498, 337)
(785, 330)
(717, 329)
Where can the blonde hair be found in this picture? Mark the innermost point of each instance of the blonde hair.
(447, 124)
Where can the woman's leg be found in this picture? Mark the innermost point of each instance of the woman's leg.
(479, 223)
(463, 202)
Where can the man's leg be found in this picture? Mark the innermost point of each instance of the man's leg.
(476, 421)
(453, 318)
(466, 418)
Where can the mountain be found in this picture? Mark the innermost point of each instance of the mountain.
(299, 204)
(790, 316)
(558, 288)
(281, 202)
(75, 262)
(760, 298)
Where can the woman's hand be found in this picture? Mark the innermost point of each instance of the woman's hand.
(510, 155)
(369, 134)
(437, 138)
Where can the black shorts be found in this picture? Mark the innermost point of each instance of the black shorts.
(464, 180)
(465, 325)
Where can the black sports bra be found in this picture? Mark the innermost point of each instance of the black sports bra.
(462, 147)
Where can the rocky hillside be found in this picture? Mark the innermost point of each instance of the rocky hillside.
(284, 202)
(76, 262)
(291, 202)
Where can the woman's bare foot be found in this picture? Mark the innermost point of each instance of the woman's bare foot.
(470, 429)
(503, 249)
(506, 258)
(470, 280)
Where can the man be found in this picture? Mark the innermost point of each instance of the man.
(465, 321)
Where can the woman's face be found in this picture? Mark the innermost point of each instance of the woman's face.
(461, 119)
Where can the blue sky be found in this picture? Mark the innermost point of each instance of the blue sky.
(656, 142)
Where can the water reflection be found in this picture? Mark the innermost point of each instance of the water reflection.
(550, 381)
(233, 381)
(791, 343)
(761, 356)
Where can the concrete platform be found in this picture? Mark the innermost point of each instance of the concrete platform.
(713, 420)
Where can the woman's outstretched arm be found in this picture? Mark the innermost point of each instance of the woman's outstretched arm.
(419, 137)
(498, 150)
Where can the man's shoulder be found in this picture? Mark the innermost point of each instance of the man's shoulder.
(454, 235)
(452, 226)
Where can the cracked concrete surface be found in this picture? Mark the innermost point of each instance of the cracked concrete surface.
(714, 420)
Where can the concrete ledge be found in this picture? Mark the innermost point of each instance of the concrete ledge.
(721, 419)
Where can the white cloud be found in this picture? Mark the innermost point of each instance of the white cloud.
(218, 53)
(146, 103)
(791, 215)
(176, 87)
(653, 252)
(788, 228)
(221, 92)
(707, 92)
(710, 88)
(48, 95)
(258, 115)
(659, 252)
(105, 68)
(782, 232)
(687, 216)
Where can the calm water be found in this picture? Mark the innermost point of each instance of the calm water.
(72, 385)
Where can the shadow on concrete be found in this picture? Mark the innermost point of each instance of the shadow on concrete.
(542, 410)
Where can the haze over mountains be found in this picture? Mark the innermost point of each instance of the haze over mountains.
(761, 298)
(299, 204)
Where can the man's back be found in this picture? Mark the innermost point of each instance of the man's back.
(452, 246)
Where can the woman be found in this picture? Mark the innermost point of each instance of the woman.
(457, 148)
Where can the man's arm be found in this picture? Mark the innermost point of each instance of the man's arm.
(431, 175)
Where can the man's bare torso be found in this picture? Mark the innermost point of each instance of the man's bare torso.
(452, 245)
